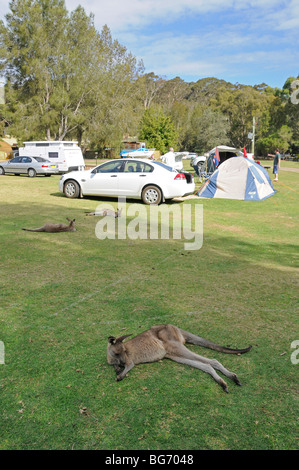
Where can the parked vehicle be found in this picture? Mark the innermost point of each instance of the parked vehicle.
(138, 153)
(205, 162)
(179, 157)
(65, 154)
(149, 180)
(173, 159)
(198, 162)
(31, 166)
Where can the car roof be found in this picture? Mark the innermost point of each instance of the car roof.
(128, 159)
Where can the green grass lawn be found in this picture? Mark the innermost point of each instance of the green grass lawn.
(62, 295)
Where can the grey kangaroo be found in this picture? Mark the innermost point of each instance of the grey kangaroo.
(105, 212)
(54, 228)
(166, 341)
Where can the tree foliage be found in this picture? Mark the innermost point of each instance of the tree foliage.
(212, 112)
(157, 130)
(64, 78)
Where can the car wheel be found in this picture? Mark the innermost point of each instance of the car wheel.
(71, 189)
(31, 173)
(2, 172)
(151, 195)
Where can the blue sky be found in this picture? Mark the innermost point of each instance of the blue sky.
(244, 41)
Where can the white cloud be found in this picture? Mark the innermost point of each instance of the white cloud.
(4, 8)
(121, 15)
(288, 18)
(227, 55)
(219, 37)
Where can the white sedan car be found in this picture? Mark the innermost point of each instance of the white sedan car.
(149, 180)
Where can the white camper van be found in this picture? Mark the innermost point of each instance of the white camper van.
(65, 154)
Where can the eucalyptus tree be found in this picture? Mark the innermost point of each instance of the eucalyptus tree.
(33, 43)
(64, 79)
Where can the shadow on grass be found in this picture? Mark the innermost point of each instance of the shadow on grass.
(112, 199)
(215, 247)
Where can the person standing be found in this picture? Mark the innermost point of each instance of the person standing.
(276, 163)
(169, 158)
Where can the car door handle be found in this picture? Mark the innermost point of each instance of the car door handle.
(113, 176)
(142, 175)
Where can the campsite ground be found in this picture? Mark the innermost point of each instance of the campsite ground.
(63, 294)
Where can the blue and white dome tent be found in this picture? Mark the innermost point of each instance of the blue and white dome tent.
(238, 178)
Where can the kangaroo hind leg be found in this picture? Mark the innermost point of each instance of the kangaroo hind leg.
(218, 366)
(204, 367)
(181, 354)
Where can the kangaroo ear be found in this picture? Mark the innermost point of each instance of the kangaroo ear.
(121, 338)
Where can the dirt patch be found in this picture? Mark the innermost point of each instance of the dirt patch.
(295, 170)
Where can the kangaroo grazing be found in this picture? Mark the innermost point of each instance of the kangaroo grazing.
(54, 228)
(105, 212)
(167, 341)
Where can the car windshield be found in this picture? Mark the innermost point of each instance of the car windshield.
(166, 167)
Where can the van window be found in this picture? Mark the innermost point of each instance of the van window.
(53, 154)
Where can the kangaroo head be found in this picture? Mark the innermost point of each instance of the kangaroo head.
(72, 224)
(116, 349)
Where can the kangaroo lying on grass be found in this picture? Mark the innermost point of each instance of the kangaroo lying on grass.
(166, 341)
(104, 212)
(54, 228)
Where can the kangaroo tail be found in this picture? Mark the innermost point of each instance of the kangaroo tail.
(194, 339)
(33, 229)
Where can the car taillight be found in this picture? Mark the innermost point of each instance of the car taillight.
(180, 176)
(44, 166)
